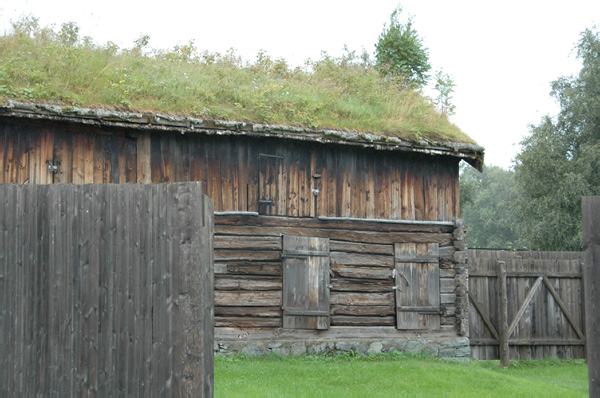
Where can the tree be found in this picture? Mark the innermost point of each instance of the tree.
(444, 85)
(400, 51)
(487, 207)
(560, 160)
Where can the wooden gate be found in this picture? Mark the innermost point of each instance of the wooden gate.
(544, 306)
(106, 290)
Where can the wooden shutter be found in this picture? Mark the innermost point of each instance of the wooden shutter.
(270, 174)
(305, 282)
(417, 276)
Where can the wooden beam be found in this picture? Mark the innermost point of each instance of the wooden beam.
(336, 332)
(483, 316)
(387, 220)
(564, 308)
(525, 304)
(226, 218)
(526, 342)
(502, 310)
(526, 274)
(590, 206)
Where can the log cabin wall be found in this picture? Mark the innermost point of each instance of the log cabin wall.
(414, 196)
(248, 270)
(267, 176)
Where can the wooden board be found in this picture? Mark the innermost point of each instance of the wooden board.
(237, 282)
(306, 296)
(417, 286)
(97, 304)
(270, 188)
(371, 260)
(539, 316)
(591, 239)
(239, 171)
(247, 298)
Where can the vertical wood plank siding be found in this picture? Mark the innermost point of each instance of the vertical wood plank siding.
(544, 329)
(106, 290)
(352, 182)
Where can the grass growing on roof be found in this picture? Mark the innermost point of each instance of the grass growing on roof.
(394, 375)
(42, 65)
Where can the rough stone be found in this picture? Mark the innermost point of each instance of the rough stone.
(446, 347)
(375, 348)
(252, 349)
(315, 349)
(455, 352)
(279, 348)
(431, 351)
(413, 347)
(460, 257)
(460, 245)
(298, 348)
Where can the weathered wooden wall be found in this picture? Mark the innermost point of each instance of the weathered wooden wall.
(590, 209)
(269, 176)
(105, 290)
(248, 270)
(544, 328)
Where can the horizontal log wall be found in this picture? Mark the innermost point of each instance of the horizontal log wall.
(248, 269)
(352, 182)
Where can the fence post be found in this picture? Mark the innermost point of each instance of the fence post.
(590, 206)
(503, 314)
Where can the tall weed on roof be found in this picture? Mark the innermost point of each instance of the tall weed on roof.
(39, 64)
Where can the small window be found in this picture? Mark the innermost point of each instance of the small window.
(305, 283)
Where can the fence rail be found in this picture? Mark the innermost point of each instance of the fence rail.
(105, 290)
(544, 304)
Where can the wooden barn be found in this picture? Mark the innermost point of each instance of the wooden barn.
(324, 240)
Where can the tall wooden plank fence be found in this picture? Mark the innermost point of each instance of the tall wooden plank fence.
(590, 208)
(545, 307)
(106, 290)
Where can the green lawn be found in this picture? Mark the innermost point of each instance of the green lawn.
(395, 375)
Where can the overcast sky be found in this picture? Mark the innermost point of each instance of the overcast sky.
(502, 55)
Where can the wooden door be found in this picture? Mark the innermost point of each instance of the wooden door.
(305, 282)
(417, 276)
(270, 173)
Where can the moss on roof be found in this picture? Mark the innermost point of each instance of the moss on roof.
(40, 66)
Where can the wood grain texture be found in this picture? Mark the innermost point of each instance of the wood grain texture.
(305, 282)
(538, 311)
(360, 272)
(87, 316)
(359, 183)
(417, 286)
(591, 244)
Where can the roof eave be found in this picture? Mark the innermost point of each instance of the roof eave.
(471, 153)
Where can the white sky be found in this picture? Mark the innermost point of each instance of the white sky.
(502, 55)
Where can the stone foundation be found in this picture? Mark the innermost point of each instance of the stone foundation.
(449, 347)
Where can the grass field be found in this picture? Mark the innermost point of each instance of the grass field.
(395, 375)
